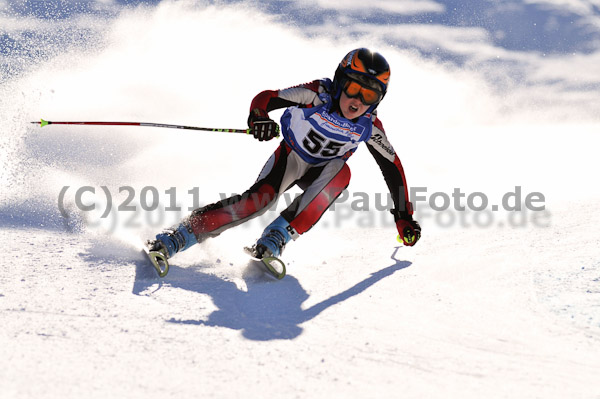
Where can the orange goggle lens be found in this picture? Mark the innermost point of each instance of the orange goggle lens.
(367, 96)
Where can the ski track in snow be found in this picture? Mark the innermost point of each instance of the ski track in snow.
(470, 312)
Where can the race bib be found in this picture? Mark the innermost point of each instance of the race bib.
(317, 135)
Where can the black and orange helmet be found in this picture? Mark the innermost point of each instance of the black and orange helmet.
(362, 65)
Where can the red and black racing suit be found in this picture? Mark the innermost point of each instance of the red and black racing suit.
(321, 183)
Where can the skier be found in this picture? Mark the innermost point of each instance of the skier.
(323, 124)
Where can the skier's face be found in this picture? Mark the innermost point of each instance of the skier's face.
(352, 107)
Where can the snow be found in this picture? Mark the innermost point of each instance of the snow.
(487, 304)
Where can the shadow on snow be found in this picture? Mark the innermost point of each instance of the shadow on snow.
(268, 310)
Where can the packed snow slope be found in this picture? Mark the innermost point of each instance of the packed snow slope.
(493, 301)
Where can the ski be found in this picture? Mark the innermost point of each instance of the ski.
(158, 261)
(273, 265)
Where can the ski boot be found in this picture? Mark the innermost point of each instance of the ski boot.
(270, 245)
(167, 244)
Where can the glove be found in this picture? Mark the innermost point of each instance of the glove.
(409, 231)
(261, 126)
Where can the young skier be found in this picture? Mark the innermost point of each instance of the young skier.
(324, 123)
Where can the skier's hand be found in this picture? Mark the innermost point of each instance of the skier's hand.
(261, 126)
(264, 129)
(409, 231)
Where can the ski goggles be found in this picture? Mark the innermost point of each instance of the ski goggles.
(368, 95)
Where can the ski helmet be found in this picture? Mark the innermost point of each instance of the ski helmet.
(367, 68)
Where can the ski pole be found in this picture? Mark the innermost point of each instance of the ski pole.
(43, 123)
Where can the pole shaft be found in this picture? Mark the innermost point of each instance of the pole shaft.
(145, 124)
